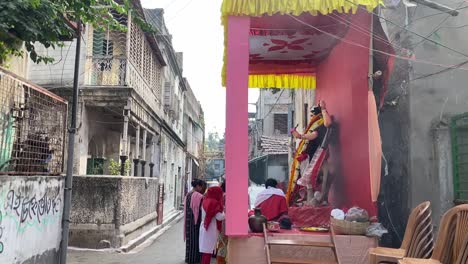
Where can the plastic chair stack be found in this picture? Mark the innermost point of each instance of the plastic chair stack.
(451, 244)
(418, 240)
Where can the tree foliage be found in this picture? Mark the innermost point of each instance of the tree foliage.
(44, 21)
(114, 167)
(214, 142)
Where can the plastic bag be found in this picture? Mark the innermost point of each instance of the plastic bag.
(338, 214)
(356, 214)
(376, 230)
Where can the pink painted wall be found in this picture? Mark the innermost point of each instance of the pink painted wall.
(342, 82)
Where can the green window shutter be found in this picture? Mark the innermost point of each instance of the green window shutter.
(98, 43)
(459, 134)
(90, 167)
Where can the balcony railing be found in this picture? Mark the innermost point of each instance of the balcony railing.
(124, 59)
(107, 71)
(141, 86)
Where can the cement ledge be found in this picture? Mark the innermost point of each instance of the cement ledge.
(131, 227)
(174, 218)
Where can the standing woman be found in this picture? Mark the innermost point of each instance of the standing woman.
(192, 210)
(222, 239)
(212, 217)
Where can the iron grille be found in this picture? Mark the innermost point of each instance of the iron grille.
(459, 132)
(280, 124)
(32, 128)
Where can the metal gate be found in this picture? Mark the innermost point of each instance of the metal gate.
(32, 128)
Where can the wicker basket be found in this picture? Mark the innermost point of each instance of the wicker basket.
(348, 228)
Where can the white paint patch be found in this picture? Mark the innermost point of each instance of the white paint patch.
(30, 217)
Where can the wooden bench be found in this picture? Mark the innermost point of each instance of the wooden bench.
(299, 243)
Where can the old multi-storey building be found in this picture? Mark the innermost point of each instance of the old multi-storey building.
(194, 130)
(268, 136)
(131, 104)
(173, 89)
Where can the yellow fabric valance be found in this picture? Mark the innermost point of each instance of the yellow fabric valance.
(257, 8)
(282, 81)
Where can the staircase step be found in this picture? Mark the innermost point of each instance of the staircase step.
(303, 261)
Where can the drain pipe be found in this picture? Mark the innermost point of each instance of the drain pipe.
(71, 145)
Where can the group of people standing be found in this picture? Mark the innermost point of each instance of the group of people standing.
(204, 223)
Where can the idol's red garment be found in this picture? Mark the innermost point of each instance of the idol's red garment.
(273, 207)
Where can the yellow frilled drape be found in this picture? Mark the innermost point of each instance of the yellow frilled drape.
(256, 8)
(282, 81)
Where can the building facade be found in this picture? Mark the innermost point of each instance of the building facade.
(422, 113)
(131, 104)
(173, 90)
(269, 136)
(194, 131)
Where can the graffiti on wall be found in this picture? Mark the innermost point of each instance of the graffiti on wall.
(30, 217)
(28, 210)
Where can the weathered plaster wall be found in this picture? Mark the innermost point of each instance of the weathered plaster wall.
(61, 71)
(113, 208)
(30, 219)
(268, 105)
(421, 101)
(442, 165)
(173, 158)
(18, 65)
(303, 98)
(81, 141)
(433, 98)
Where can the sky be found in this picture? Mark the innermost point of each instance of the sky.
(197, 32)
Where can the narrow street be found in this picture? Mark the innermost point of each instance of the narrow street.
(169, 248)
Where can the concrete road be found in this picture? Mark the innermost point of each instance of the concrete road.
(169, 248)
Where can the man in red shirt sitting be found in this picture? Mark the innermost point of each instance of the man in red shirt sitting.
(272, 201)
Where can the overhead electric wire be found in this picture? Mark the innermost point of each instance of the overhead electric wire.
(406, 29)
(179, 11)
(168, 5)
(441, 71)
(274, 104)
(368, 32)
(379, 51)
(436, 28)
(436, 14)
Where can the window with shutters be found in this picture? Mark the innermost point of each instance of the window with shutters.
(280, 124)
(101, 45)
(168, 95)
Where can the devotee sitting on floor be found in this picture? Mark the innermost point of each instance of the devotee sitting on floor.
(272, 201)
